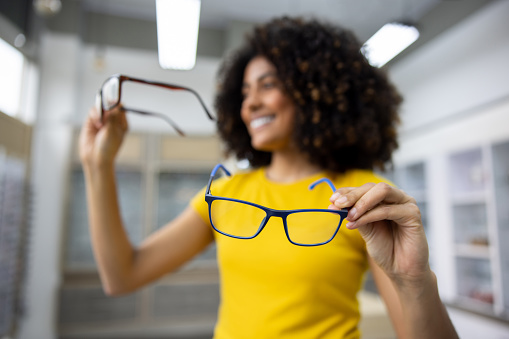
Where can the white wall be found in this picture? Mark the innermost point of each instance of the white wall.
(453, 79)
(456, 93)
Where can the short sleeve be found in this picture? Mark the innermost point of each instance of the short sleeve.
(199, 204)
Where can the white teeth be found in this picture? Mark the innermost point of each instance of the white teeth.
(261, 121)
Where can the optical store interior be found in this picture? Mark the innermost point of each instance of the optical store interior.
(453, 155)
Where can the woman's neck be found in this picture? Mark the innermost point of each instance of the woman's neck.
(289, 167)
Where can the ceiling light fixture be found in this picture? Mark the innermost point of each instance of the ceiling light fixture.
(177, 33)
(387, 42)
(47, 8)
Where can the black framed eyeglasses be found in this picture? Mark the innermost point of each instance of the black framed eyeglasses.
(241, 219)
(109, 96)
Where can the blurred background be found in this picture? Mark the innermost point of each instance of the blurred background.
(54, 56)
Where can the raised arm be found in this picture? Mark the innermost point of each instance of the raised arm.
(390, 222)
(122, 267)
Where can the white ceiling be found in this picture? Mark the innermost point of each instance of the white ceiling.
(364, 17)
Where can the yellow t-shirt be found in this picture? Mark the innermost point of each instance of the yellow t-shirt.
(271, 288)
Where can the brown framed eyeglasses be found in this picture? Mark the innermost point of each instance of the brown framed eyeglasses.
(110, 94)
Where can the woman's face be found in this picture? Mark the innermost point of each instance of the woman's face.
(267, 110)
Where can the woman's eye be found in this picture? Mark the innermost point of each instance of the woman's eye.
(269, 85)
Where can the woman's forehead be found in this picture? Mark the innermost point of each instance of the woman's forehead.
(258, 68)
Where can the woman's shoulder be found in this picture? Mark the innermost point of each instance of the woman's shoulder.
(359, 177)
(244, 177)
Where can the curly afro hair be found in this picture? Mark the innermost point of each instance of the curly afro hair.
(346, 110)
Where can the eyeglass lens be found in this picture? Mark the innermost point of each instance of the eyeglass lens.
(225, 217)
(307, 228)
(110, 93)
(312, 227)
(98, 103)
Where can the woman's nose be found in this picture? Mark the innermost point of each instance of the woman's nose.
(252, 101)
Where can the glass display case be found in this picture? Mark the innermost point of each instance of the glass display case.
(156, 176)
(479, 195)
(174, 191)
(476, 283)
(470, 224)
(78, 249)
(501, 210)
(467, 175)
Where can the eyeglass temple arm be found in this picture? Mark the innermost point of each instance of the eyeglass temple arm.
(319, 181)
(213, 173)
(173, 87)
(326, 180)
(162, 116)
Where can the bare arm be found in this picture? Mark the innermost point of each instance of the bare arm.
(122, 267)
(414, 313)
(390, 297)
(390, 223)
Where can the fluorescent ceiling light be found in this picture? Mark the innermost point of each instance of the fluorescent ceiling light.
(388, 42)
(177, 33)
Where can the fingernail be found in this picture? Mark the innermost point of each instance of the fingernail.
(334, 196)
(350, 225)
(342, 200)
(352, 213)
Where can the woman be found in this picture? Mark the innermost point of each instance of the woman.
(299, 102)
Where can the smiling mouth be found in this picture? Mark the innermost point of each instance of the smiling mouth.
(261, 121)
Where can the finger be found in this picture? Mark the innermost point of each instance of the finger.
(123, 120)
(94, 118)
(90, 125)
(340, 192)
(117, 117)
(379, 193)
(113, 113)
(333, 207)
(348, 196)
(407, 214)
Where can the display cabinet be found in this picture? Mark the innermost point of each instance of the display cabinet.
(479, 192)
(183, 185)
(472, 186)
(15, 220)
(156, 177)
(500, 161)
(78, 251)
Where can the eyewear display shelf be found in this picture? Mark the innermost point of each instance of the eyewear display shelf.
(16, 206)
(479, 202)
(156, 177)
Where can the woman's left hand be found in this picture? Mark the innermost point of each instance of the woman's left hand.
(390, 222)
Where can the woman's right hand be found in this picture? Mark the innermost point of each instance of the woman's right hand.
(100, 141)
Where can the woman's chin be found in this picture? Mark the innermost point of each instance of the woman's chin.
(268, 145)
(262, 148)
(261, 145)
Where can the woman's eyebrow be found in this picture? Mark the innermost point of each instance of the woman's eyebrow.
(261, 77)
(266, 75)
